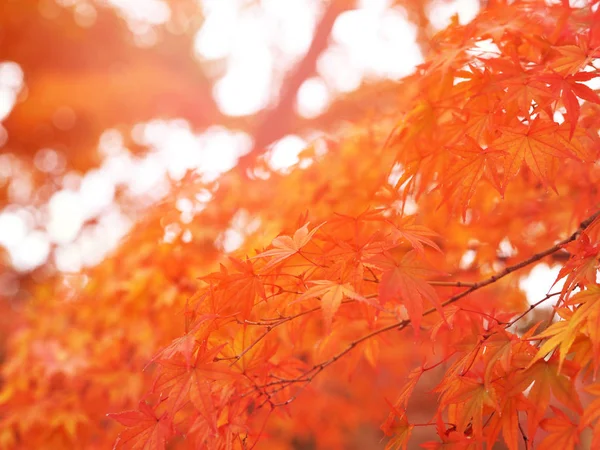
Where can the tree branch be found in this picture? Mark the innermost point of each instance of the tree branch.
(451, 283)
(308, 376)
(276, 122)
(531, 308)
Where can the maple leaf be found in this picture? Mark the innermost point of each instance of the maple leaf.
(331, 295)
(482, 117)
(582, 265)
(546, 379)
(397, 426)
(584, 319)
(241, 289)
(505, 420)
(592, 411)
(146, 430)
(568, 89)
(185, 345)
(452, 440)
(522, 86)
(498, 348)
(571, 58)
(403, 282)
(460, 181)
(409, 386)
(286, 246)
(562, 432)
(183, 382)
(417, 235)
(561, 335)
(449, 54)
(539, 145)
(469, 397)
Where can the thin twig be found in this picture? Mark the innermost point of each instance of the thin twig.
(451, 283)
(433, 282)
(531, 308)
(481, 313)
(525, 438)
(269, 327)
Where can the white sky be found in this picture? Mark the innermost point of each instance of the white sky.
(258, 43)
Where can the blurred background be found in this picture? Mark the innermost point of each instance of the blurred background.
(105, 103)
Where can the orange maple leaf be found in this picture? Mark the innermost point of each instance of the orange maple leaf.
(404, 282)
(568, 89)
(505, 420)
(461, 179)
(470, 398)
(562, 432)
(585, 319)
(418, 236)
(571, 58)
(145, 430)
(286, 246)
(522, 87)
(408, 388)
(240, 288)
(546, 378)
(592, 411)
(184, 383)
(331, 295)
(397, 426)
(540, 145)
(185, 345)
(581, 267)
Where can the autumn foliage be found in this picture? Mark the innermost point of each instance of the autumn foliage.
(375, 299)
